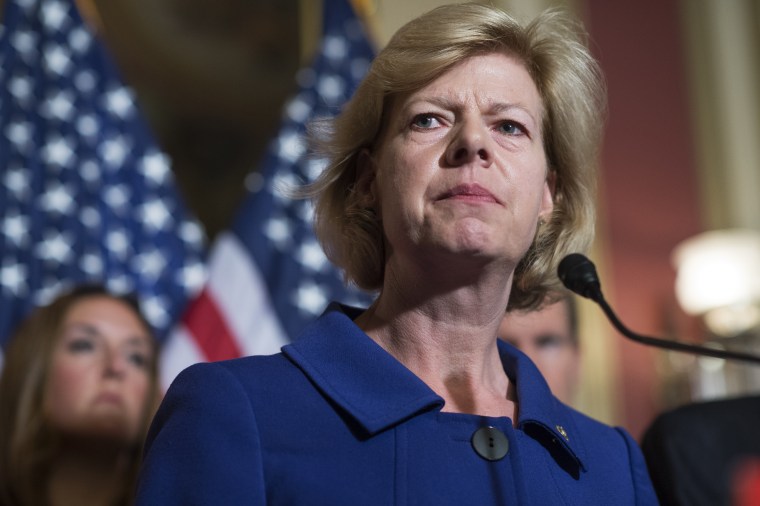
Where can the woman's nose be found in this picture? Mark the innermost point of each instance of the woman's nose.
(470, 143)
(114, 363)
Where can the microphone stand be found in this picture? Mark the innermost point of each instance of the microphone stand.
(672, 345)
(579, 275)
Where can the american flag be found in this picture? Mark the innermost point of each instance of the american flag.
(268, 276)
(85, 193)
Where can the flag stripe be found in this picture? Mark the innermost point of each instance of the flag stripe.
(238, 287)
(268, 275)
(179, 351)
(208, 326)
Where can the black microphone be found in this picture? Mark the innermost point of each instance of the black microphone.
(578, 274)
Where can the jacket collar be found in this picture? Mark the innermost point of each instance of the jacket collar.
(379, 392)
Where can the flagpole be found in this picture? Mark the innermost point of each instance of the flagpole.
(310, 28)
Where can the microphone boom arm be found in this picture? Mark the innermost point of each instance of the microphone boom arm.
(673, 345)
(579, 275)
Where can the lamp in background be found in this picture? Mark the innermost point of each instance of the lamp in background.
(718, 278)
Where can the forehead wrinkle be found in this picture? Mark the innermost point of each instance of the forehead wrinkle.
(455, 102)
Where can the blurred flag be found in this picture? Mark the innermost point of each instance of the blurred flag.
(268, 276)
(85, 193)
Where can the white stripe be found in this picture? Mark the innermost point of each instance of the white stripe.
(241, 295)
(235, 285)
(179, 351)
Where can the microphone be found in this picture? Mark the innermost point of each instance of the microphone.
(578, 274)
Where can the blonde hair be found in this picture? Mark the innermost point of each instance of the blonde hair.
(553, 49)
(27, 441)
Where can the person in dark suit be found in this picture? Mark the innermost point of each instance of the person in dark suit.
(460, 174)
(695, 453)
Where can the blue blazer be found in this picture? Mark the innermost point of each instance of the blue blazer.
(335, 420)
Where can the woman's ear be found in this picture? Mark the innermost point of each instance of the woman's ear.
(365, 187)
(549, 193)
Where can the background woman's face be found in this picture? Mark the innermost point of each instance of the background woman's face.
(100, 374)
(461, 167)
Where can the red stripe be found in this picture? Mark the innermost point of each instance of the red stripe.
(207, 326)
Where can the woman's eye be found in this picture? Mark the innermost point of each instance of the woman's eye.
(512, 128)
(138, 359)
(425, 121)
(80, 345)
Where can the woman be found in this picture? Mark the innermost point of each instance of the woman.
(77, 391)
(461, 174)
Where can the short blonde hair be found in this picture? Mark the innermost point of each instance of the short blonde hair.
(553, 49)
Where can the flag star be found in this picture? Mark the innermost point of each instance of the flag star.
(155, 215)
(20, 87)
(290, 146)
(17, 182)
(57, 199)
(16, 228)
(192, 233)
(283, 184)
(89, 217)
(311, 256)
(27, 4)
(119, 101)
(87, 125)
(331, 88)
(120, 283)
(58, 151)
(118, 243)
(19, 133)
(335, 48)
(150, 264)
(155, 310)
(306, 211)
(59, 106)
(79, 39)
(53, 14)
(315, 167)
(90, 171)
(56, 248)
(24, 41)
(253, 182)
(57, 59)
(192, 276)
(85, 80)
(310, 298)
(155, 167)
(114, 151)
(116, 196)
(13, 277)
(91, 264)
(45, 294)
(298, 110)
(278, 231)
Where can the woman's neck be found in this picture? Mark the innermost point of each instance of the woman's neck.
(445, 332)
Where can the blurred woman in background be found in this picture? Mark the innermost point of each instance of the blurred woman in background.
(77, 391)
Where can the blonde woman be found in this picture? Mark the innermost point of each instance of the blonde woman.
(461, 174)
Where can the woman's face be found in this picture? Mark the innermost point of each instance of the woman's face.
(100, 375)
(461, 167)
